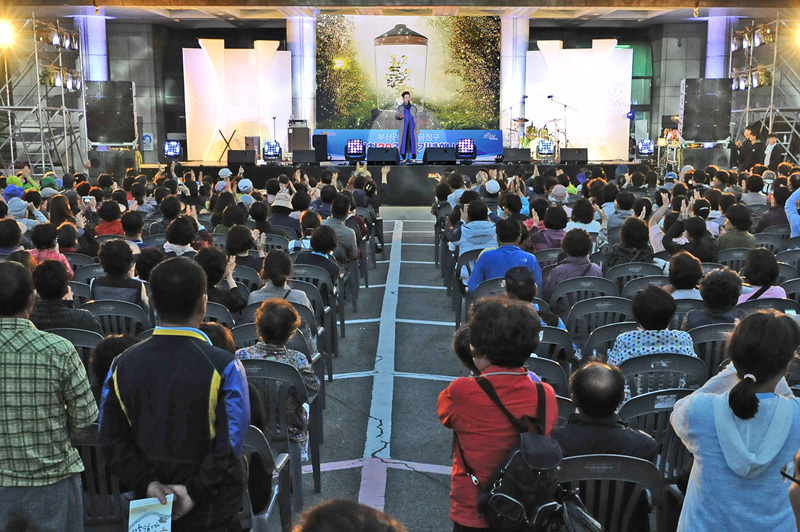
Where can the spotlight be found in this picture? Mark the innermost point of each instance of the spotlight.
(466, 151)
(172, 149)
(736, 42)
(758, 38)
(68, 80)
(57, 79)
(272, 150)
(66, 39)
(55, 38)
(745, 41)
(645, 147)
(743, 82)
(545, 148)
(754, 79)
(7, 34)
(77, 82)
(355, 151)
(75, 42)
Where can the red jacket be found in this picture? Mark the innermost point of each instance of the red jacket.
(109, 228)
(484, 433)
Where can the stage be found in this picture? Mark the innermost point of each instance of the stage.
(410, 184)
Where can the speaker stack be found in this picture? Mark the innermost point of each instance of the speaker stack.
(705, 109)
(111, 112)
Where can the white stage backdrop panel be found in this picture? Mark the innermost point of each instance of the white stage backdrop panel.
(239, 90)
(596, 82)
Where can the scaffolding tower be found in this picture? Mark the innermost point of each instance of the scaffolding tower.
(42, 100)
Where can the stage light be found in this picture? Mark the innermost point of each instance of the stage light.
(743, 82)
(645, 147)
(758, 38)
(68, 81)
(546, 148)
(631, 115)
(66, 39)
(338, 63)
(745, 41)
(7, 33)
(172, 148)
(355, 151)
(57, 78)
(271, 150)
(75, 42)
(466, 151)
(754, 79)
(77, 81)
(736, 42)
(55, 38)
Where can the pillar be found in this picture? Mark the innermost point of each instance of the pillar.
(514, 32)
(717, 46)
(301, 40)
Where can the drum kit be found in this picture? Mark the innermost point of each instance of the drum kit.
(543, 144)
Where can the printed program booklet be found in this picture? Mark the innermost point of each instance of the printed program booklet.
(149, 515)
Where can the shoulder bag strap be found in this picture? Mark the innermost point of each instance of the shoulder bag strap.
(518, 424)
(757, 293)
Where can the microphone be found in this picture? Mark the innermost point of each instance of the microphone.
(524, 97)
(550, 96)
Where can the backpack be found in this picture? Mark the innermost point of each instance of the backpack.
(521, 494)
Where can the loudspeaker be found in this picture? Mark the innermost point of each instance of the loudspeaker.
(243, 157)
(299, 138)
(517, 155)
(111, 112)
(705, 113)
(252, 143)
(304, 157)
(114, 162)
(384, 156)
(700, 157)
(574, 155)
(439, 156)
(320, 144)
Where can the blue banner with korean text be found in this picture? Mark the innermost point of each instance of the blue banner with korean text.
(488, 143)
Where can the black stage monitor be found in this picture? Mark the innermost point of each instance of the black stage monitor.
(383, 156)
(305, 157)
(574, 155)
(242, 157)
(439, 156)
(517, 155)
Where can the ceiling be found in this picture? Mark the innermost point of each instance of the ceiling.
(185, 13)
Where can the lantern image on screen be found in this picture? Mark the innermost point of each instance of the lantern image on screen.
(401, 60)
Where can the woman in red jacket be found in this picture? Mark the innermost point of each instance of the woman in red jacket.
(503, 333)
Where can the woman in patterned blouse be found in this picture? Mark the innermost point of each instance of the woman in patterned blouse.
(653, 309)
(277, 321)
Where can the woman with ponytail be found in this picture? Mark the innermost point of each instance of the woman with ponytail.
(741, 427)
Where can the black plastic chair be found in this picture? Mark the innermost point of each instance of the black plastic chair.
(633, 286)
(85, 274)
(81, 292)
(554, 343)
(547, 257)
(158, 239)
(789, 243)
(320, 277)
(792, 289)
(76, 260)
(565, 409)
(783, 230)
(733, 258)
(118, 317)
(276, 242)
(103, 504)
(550, 372)
(256, 444)
(438, 227)
(682, 307)
(589, 314)
(649, 373)
(610, 486)
(465, 260)
(789, 306)
(323, 314)
(602, 339)
(248, 277)
(708, 266)
(219, 239)
(568, 292)
(771, 241)
(622, 274)
(710, 343)
(219, 313)
(486, 288)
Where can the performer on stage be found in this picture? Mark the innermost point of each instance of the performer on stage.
(408, 128)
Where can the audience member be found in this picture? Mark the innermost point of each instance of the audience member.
(685, 272)
(54, 309)
(555, 220)
(218, 268)
(697, 240)
(109, 213)
(276, 271)
(633, 245)
(583, 217)
(475, 230)
(494, 263)
(738, 223)
(146, 261)
(103, 355)
(239, 243)
(116, 259)
(347, 247)
(341, 515)
(323, 242)
(761, 272)
(577, 245)
(776, 215)
(720, 290)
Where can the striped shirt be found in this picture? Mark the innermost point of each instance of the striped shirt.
(44, 394)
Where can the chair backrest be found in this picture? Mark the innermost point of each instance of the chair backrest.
(792, 289)
(790, 257)
(710, 343)
(789, 243)
(313, 295)
(771, 241)
(249, 313)
(789, 306)
(552, 341)
(158, 239)
(602, 339)
(84, 341)
(315, 275)
(102, 500)
(245, 335)
(81, 293)
(118, 317)
(649, 373)
(650, 412)
(610, 486)
(569, 291)
(466, 260)
(733, 258)
(758, 210)
(76, 260)
(550, 372)
(219, 313)
(783, 230)
(248, 277)
(287, 232)
(546, 272)
(490, 287)
(786, 272)
(682, 307)
(144, 335)
(267, 376)
(546, 257)
(589, 314)
(613, 235)
(565, 409)
(708, 266)
(85, 274)
(105, 238)
(276, 242)
(541, 304)
(633, 286)
(623, 273)
(219, 239)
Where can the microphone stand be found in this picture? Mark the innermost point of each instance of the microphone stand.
(566, 138)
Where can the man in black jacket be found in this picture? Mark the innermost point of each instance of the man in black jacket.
(751, 151)
(175, 410)
(54, 309)
(773, 152)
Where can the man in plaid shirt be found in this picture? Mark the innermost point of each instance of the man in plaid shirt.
(44, 395)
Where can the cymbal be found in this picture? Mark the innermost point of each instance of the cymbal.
(553, 120)
(521, 120)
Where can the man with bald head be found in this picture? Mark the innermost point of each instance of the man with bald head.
(595, 428)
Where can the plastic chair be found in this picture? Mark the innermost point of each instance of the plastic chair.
(219, 239)
(552, 342)
(771, 241)
(465, 260)
(792, 289)
(733, 258)
(158, 239)
(550, 372)
(541, 304)
(287, 232)
(546, 273)
(788, 306)
(613, 235)
(76, 260)
(81, 292)
(570, 291)
(565, 409)
(633, 286)
(589, 314)
(267, 376)
(363, 259)
(623, 273)
(650, 412)
(486, 288)
(602, 339)
(248, 277)
(144, 335)
(309, 323)
(118, 317)
(219, 313)
(649, 373)
(438, 228)
(610, 486)
(710, 343)
(323, 315)
(683, 306)
(255, 443)
(105, 238)
(758, 210)
(103, 504)
(85, 274)
(83, 340)
(789, 243)
(547, 257)
(786, 272)
(245, 335)
(708, 266)
(320, 277)
(783, 230)
(790, 257)
(275, 242)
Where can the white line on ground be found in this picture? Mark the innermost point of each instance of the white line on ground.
(422, 286)
(424, 376)
(418, 262)
(362, 320)
(426, 322)
(354, 375)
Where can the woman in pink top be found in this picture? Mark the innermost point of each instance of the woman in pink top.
(761, 271)
(44, 239)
